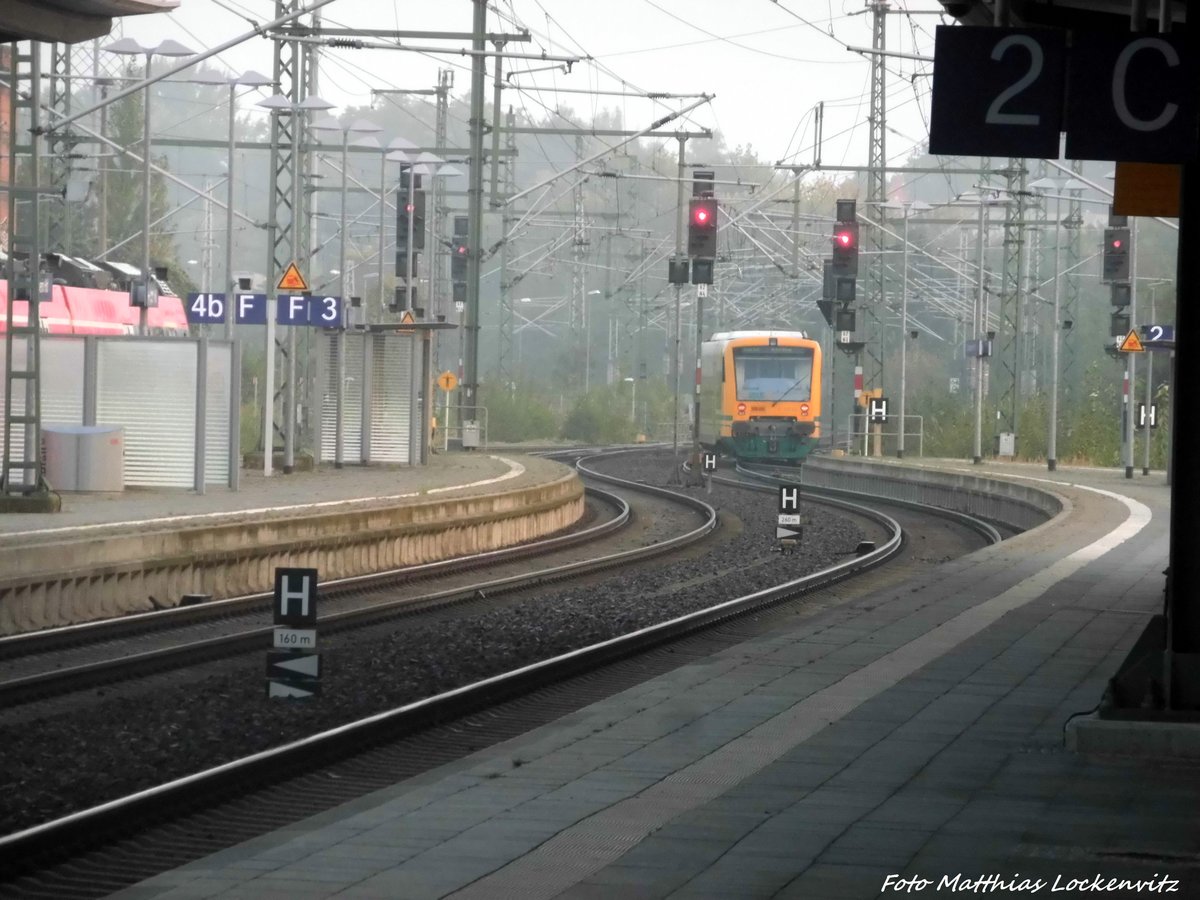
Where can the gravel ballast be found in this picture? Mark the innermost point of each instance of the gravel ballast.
(128, 739)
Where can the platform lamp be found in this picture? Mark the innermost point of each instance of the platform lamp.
(360, 127)
(252, 80)
(1042, 187)
(908, 208)
(128, 46)
(279, 104)
(985, 197)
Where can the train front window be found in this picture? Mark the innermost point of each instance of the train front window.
(773, 374)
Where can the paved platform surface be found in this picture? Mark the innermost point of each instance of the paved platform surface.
(284, 495)
(907, 742)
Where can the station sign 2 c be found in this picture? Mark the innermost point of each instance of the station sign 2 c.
(1003, 92)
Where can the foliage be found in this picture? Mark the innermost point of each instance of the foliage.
(119, 223)
(600, 416)
(520, 415)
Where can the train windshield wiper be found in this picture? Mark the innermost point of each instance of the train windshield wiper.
(787, 390)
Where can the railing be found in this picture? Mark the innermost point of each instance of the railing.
(876, 439)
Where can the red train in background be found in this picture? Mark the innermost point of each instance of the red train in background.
(74, 307)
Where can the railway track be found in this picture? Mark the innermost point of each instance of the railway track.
(482, 712)
(87, 656)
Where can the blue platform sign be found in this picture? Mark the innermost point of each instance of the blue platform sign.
(1161, 335)
(250, 309)
(205, 309)
(291, 309)
(325, 312)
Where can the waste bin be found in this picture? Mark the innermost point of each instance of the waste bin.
(84, 457)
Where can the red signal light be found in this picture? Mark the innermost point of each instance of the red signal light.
(408, 207)
(701, 216)
(462, 249)
(844, 238)
(1116, 244)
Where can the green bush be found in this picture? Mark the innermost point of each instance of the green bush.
(600, 417)
(522, 415)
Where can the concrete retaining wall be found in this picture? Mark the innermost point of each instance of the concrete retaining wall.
(115, 571)
(1017, 505)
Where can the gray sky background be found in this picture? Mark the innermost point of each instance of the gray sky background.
(768, 63)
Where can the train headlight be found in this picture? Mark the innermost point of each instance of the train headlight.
(804, 409)
(741, 409)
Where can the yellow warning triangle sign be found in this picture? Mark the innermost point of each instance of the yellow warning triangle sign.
(407, 321)
(1132, 343)
(292, 280)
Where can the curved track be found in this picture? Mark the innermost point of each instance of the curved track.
(86, 656)
(347, 741)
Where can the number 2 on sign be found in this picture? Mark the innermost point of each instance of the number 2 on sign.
(1036, 61)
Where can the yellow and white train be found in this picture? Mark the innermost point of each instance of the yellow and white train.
(760, 395)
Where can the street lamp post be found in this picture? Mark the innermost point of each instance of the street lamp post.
(130, 46)
(1154, 286)
(980, 325)
(986, 197)
(250, 79)
(359, 126)
(587, 343)
(280, 104)
(1042, 185)
(908, 207)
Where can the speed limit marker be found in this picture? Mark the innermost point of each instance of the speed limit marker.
(447, 381)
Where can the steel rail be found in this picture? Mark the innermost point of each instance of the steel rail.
(87, 676)
(273, 765)
(136, 623)
(982, 527)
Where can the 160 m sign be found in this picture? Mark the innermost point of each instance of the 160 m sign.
(1004, 91)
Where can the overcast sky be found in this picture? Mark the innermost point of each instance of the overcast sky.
(768, 63)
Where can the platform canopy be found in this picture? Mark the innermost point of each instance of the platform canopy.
(69, 21)
(1100, 15)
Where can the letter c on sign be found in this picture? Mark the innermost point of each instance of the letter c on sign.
(1120, 74)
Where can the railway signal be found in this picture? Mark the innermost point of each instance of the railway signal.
(459, 252)
(414, 207)
(677, 271)
(845, 240)
(702, 227)
(1116, 255)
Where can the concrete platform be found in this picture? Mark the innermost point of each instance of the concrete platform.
(114, 553)
(910, 741)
